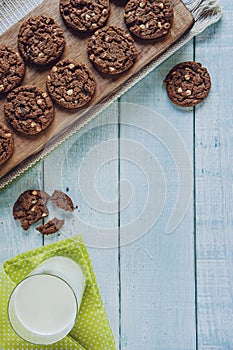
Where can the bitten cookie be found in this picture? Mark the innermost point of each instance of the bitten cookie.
(30, 207)
(62, 200)
(112, 50)
(71, 84)
(29, 110)
(85, 15)
(40, 40)
(6, 143)
(188, 84)
(11, 69)
(52, 226)
(149, 19)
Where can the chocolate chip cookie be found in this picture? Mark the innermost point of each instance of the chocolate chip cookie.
(85, 15)
(11, 69)
(29, 110)
(30, 207)
(188, 84)
(149, 19)
(71, 84)
(62, 200)
(40, 40)
(51, 226)
(6, 143)
(112, 50)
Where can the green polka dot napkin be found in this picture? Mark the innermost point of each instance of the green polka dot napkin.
(91, 331)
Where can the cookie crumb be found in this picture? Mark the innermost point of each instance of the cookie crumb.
(62, 201)
(52, 226)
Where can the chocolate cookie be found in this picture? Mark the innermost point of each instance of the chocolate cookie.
(29, 110)
(11, 69)
(71, 84)
(85, 15)
(30, 207)
(112, 50)
(149, 19)
(62, 200)
(51, 226)
(40, 40)
(6, 143)
(188, 84)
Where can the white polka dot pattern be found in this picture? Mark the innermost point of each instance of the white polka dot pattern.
(91, 331)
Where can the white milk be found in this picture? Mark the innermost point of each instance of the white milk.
(66, 269)
(43, 307)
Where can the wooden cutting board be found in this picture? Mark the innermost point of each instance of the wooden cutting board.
(26, 147)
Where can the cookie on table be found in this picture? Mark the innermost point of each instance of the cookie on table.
(62, 201)
(149, 19)
(85, 15)
(6, 143)
(112, 50)
(52, 226)
(29, 110)
(40, 40)
(12, 69)
(187, 84)
(30, 207)
(71, 84)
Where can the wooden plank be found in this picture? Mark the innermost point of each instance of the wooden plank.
(76, 49)
(13, 239)
(62, 171)
(157, 270)
(214, 144)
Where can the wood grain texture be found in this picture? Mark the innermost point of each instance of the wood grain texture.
(157, 271)
(61, 171)
(13, 240)
(214, 177)
(76, 49)
(157, 276)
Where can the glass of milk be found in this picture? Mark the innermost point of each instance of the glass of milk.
(43, 307)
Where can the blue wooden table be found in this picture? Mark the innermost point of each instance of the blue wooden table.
(166, 284)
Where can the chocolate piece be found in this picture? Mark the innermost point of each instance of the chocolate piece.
(85, 15)
(71, 84)
(11, 69)
(51, 226)
(62, 200)
(149, 19)
(40, 40)
(30, 207)
(6, 143)
(112, 50)
(188, 84)
(29, 110)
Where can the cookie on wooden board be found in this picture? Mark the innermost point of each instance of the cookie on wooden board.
(29, 110)
(30, 207)
(12, 69)
(52, 226)
(187, 84)
(149, 19)
(85, 15)
(62, 200)
(6, 143)
(112, 50)
(40, 40)
(71, 84)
